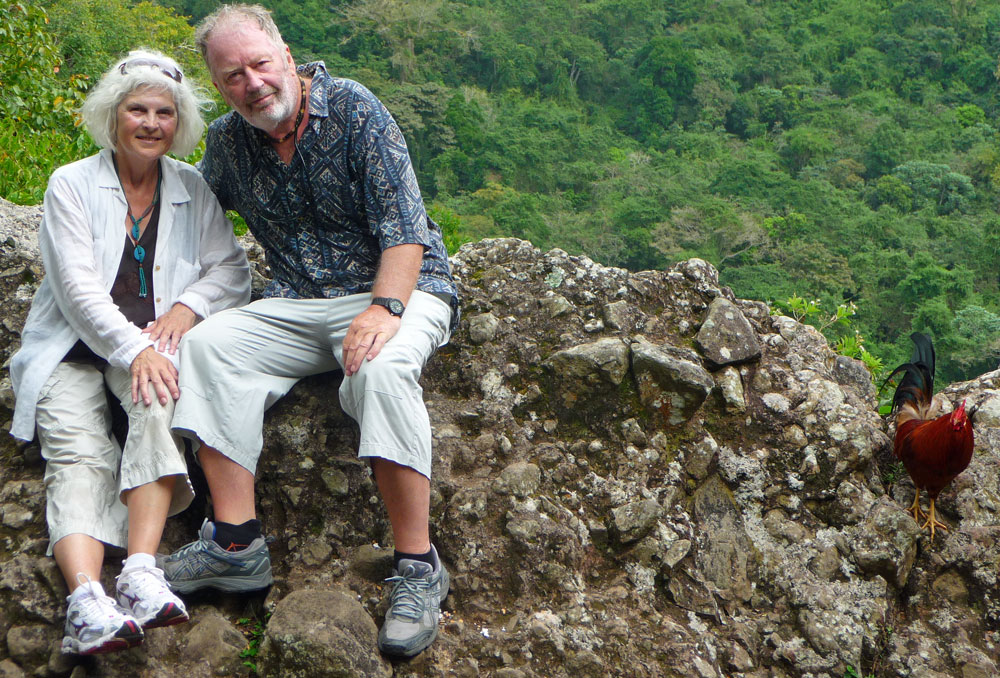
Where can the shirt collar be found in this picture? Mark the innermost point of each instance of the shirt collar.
(172, 190)
(318, 103)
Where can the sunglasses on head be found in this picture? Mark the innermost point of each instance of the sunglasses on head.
(165, 68)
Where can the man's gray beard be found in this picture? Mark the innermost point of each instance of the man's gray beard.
(269, 119)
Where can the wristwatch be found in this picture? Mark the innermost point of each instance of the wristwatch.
(394, 306)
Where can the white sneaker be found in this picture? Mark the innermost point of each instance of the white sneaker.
(95, 624)
(144, 592)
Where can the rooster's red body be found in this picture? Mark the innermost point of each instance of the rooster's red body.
(934, 446)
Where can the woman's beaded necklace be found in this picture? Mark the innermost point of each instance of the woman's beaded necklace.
(139, 252)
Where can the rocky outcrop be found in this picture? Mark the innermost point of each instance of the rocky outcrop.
(635, 474)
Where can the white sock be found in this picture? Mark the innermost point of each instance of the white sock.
(139, 561)
(92, 586)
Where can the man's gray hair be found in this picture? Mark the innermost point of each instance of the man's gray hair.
(144, 69)
(236, 14)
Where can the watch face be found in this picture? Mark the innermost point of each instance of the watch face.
(395, 307)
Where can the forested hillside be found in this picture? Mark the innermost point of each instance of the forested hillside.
(837, 150)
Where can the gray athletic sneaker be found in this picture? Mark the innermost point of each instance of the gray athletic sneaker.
(204, 564)
(411, 624)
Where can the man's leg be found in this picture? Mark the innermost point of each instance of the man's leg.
(385, 398)
(407, 497)
(234, 366)
(231, 487)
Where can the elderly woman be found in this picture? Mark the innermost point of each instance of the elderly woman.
(136, 249)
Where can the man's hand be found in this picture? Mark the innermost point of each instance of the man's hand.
(367, 335)
(150, 366)
(171, 326)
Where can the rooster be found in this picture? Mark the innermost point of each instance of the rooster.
(934, 447)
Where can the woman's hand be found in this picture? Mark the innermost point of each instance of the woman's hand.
(150, 366)
(171, 326)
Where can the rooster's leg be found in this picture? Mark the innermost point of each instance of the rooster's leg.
(915, 508)
(932, 522)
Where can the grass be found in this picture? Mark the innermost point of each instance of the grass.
(253, 629)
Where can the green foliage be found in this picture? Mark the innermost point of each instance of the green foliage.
(33, 94)
(37, 127)
(844, 151)
(969, 115)
(252, 629)
(450, 223)
(850, 344)
(936, 185)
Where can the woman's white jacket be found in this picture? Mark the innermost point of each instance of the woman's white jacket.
(82, 236)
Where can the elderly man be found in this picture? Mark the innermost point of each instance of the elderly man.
(320, 172)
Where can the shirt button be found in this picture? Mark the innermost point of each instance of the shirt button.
(159, 299)
(157, 268)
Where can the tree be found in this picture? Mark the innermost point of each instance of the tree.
(37, 122)
(664, 74)
(935, 184)
(804, 145)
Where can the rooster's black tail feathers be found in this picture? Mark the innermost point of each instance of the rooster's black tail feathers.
(917, 384)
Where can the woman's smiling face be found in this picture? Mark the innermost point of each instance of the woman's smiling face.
(147, 121)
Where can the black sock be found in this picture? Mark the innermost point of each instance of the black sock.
(236, 537)
(422, 557)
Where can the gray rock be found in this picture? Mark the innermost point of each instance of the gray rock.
(29, 645)
(853, 374)
(60, 664)
(730, 386)
(321, 634)
(724, 550)
(793, 497)
(555, 305)
(602, 361)
(726, 337)
(520, 479)
(886, 542)
(8, 669)
(373, 564)
(671, 385)
(212, 639)
(699, 457)
(482, 328)
(336, 482)
(16, 516)
(632, 521)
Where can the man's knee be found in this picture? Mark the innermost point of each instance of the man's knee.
(388, 370)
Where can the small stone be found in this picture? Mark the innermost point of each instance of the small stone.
(633, 520)
(29, 644)
(315, 552)
(556, 305)
(215, 641)
(616, 315)
(730, 386)
(483, 328)
(633, 432)
(336, 482)
(371, 563)
(726, 337)
(318, 633)
(8, 669)
(776, 402)
(16, 516)
(520, 479)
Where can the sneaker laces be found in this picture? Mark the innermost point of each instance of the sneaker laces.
(152, 582)
(407, 599)
(203, 546)
(92, 603)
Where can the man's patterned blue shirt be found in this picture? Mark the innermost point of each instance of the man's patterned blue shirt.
(348, 193)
